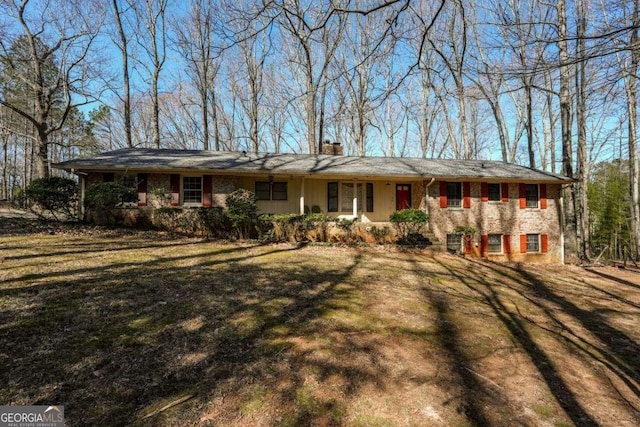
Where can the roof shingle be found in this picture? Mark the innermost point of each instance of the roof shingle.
(143, 159)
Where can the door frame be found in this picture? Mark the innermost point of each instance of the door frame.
(398, 185)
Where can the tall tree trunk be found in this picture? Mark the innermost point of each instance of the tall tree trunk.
(215, 119)
(582, 211)
(125, 75)
(529, 102)
(4, 195)
(552, 122)
(565, 122)
(632, 105)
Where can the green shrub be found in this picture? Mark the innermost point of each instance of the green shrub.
(380, 234)
(166, 218)
(242, 211)
(101, 201)
(294, 227)
(214, 222)
(348, 230)
(409, 221)
(193, 221)
(54, 195)
(283, 227)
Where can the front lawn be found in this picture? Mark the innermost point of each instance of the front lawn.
(142, 329)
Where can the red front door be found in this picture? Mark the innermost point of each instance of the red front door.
(403, 196)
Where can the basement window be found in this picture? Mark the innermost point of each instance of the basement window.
(495, 243)
(533, 243)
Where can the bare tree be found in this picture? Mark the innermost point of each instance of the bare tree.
(360, 62)
(195, 43)
(582, 171)
(315, 34)
(564, 65)
(634, 162)
(49, 54)
(451, 45)
(151, 14)
(122, 44)
(254, 48)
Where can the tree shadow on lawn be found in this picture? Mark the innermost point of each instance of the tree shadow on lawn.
(620, 353)
(134, 338)
(614, 278)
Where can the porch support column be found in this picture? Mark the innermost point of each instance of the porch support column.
(302, 197)
(355, 199)
(83, 185)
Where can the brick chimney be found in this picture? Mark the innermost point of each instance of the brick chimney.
(334, 149)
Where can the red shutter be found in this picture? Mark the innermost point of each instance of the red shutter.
(544, 243)
(484, 192)
(523, 243)
(206, 190)
(543, 196)
(506, 244)
(522, 190)
(142, 189)
(467, 245)
(443, 194)
(175, 190)
(466, 194)
(484, 244)
(505, 191)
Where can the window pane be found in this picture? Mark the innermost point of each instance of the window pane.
(347, 196)
(263, 190)
(533, 243)
(192, 189)
(454, 242)
(369, 197)
(332, 197)
(495, 243)
(454, 194)
(532, 195)
(494, 192)
(279, 191)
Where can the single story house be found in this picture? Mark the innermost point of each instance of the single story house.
(516, 211)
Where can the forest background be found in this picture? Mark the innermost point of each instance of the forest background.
(549, 85)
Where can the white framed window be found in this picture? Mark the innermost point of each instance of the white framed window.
(494, 192)
(192, 190)
(454, 242)
(340, 196)
(533, 243)
(494, 243)
(271, 190)
(348, 193)
(532, 195)
(454, 194)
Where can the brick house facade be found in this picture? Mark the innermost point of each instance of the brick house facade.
(515, 212)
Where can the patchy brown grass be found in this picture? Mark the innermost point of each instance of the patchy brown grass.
(140, 329)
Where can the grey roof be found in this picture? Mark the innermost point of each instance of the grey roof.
(147, 160)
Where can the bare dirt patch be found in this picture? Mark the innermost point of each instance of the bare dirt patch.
(137, 328)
